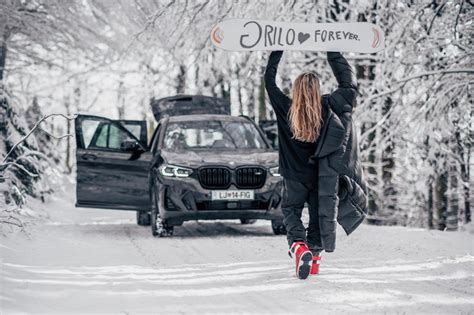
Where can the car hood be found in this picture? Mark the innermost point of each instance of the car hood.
(232, 158)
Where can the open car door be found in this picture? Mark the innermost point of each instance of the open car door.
(112, 163)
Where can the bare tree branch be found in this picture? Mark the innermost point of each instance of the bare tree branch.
(36, 126)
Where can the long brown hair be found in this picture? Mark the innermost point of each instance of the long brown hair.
(305, 113)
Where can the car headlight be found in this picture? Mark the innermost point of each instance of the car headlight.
(175, 171)
(275, 171)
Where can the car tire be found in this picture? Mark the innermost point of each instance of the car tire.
(248, 221)
(278, 227)
(159, 227)
(143, 218)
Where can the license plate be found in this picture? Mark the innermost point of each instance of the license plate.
(233, 195)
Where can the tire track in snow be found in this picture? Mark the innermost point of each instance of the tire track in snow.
(141, 252)
(134, 274)
(185, 277)
(226, 280)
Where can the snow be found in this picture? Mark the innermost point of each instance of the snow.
(93, 261)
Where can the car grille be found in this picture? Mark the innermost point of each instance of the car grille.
(250, 177)
(221, 177)
(214, 177)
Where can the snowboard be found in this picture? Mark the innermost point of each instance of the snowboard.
(252, 35)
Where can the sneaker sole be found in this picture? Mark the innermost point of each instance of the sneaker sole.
(304, 266)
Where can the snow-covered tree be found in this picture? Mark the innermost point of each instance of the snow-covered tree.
(415, 104)
(22, 169)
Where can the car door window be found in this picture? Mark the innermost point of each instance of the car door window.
(116, 137)
(101, 141)
(137, 128)
(134, 129)
(103, 135)
(89, 129)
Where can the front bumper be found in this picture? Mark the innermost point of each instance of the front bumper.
(184, 199)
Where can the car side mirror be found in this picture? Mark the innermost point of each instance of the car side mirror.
(129, 145)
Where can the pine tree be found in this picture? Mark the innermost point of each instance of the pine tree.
(23, 171)
(46, 143)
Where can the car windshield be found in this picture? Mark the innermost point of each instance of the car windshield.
(212, 134)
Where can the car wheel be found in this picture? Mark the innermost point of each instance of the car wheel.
(143, 218)
(248, 221)
(159, 227)
(278, 227)
(162, 228)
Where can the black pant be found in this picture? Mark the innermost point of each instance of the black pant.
(295, 194)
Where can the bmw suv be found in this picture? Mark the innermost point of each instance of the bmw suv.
(197, 166)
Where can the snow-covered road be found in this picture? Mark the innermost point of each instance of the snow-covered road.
(99, 261)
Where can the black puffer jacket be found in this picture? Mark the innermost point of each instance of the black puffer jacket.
(342, 190)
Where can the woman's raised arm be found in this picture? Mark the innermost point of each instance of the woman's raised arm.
(277, 97)
(343, 99)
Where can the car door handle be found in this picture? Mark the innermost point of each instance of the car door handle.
(88, 157)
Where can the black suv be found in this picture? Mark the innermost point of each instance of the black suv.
(197, 166)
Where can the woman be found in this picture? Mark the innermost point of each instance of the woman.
(317, 148)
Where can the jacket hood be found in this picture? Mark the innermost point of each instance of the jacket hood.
(234, 158)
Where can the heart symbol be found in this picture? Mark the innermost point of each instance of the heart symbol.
(302, 37)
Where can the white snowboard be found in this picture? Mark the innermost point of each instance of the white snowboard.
(249, 35)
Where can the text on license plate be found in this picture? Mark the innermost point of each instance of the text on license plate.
(233, 195)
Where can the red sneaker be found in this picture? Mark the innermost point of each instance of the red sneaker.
(303, 259)
(315, 265)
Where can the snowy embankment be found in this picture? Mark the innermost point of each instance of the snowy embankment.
(99, 261)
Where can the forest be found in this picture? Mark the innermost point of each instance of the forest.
(110, 58)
